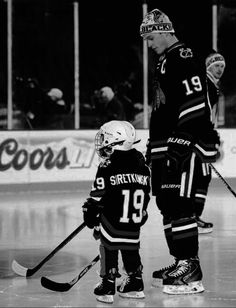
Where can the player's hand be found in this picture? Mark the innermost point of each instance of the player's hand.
(144, 218)
(96, 233)
(220, 151)
(208, 147)
(179, 150)
(91, 213)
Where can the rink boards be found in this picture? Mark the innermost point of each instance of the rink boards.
(28, 157)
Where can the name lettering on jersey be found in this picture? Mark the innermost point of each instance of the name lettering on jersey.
(129, 178)
(171, 186)
(179, 141)
(186, 53)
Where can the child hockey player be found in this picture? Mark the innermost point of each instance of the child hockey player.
(117, 206)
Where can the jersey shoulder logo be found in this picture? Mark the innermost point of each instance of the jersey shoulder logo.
(186, 53)
(104, 163)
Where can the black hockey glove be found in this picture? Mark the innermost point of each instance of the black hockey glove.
(144, 218)
(91, 212)
(179, 149)
(96, 233)
(208, 147)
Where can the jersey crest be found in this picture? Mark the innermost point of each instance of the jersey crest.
(186, 53)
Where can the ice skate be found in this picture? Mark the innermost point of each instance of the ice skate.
(105, 290)
(186, 278)
(161, 273)
(204, 227)
(132, 286)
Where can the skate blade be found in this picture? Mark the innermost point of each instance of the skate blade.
(133, 294)
(204, 230)
(191, 288)
(105, 299)
(157, 282)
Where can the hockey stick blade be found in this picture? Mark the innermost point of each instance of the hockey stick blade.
(19, 269)
(66, 286)
(223, 180)
(27, 272)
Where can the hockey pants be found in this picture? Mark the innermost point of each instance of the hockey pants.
(202, 189)
(176, 202)
(109, 260)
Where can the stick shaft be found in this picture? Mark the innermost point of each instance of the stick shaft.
(84, 271)
(66, 286)
(30, 272)
(223, 180)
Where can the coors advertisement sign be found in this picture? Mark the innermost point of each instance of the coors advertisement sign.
(28, 157)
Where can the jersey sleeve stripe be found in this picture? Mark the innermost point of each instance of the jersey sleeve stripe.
(191, 110)
(190, 116)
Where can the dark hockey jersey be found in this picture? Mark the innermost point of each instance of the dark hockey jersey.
(122, 186)
(213, 90)
(213, 93)
(180, 103)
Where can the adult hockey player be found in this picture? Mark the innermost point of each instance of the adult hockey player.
(182, 140)
(118, 208)
(215, 66)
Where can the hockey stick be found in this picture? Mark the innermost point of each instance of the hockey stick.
(223, 180)
(65, 286)
(27, 272)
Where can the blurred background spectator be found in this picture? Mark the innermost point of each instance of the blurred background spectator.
(108, 106)
(41, 109)
(55, 107)
(43, 47)
(123, 93)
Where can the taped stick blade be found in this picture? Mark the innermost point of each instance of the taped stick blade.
(55, 286)
(19, 269)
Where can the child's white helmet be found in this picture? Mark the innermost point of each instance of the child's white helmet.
(114, 135)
